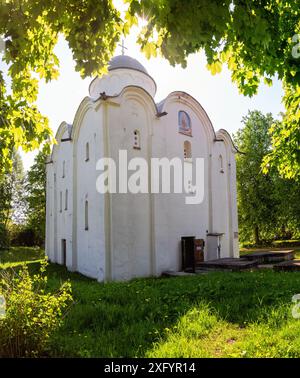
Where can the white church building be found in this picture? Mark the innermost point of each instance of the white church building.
(119, 236)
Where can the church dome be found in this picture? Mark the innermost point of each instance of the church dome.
(125, 61)
(123, 71)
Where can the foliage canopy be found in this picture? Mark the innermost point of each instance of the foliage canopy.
(255, 39)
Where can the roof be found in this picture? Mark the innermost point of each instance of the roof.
(125, 61)
(160, 105)
(69, 129)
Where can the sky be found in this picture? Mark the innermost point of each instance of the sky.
(220, 98)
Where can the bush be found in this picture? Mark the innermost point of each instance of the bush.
(4, 237)
(32, 314)
(24, 235)
(286, 243)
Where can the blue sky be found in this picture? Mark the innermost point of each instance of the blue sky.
(220, 98)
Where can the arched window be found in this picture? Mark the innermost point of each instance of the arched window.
(187, 150)
(137, 140)
(221, 167)
(184, 123)
(66, 200)
(63, 169)
(87, 152)
(86, 216)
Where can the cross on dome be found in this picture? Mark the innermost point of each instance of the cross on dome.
(123, 47)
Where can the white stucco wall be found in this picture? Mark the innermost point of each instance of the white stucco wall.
(59, 219)
(49, 244)
(90, 244)
(173, 217)
(131, 225)
(220, 208)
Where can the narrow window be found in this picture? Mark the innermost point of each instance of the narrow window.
(221, 164)
(87, 152)
(187, 150)
(86, 215)
(64, 251)
(60, 201)
(66, 200)
(64, 169)
(136, 140)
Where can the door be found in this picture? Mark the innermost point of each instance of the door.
(214, 246)
(199, 251)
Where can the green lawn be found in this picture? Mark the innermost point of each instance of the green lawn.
(214, 315)
(18, 255)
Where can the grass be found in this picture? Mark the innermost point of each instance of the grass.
(214, 315)
(18, 255)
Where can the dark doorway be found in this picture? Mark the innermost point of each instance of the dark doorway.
(192, 253)
(188, 258)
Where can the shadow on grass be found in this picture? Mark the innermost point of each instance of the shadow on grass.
(126, 319)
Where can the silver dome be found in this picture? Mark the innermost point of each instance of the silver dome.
(125, 61)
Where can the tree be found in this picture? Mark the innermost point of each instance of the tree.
(256, 39)
(285, 154)
(288, 208)
(30, 29)
(36, 198)
(12, 198)
(12, 205)
(5, 205)
(257, 195)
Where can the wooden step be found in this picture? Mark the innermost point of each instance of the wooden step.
(288, 266)
(171, 273)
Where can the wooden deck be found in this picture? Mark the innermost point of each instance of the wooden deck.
(277, 260)
(228, 264)
(264, 257)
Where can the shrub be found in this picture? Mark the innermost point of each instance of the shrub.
(23, 235)
(4, 237)
(32, 314)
